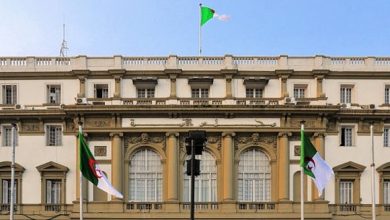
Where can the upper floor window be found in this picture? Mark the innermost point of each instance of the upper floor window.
(254, 177)
(145, 177)
(53, 94)
(346, 192)
(346, 137)
(386, 191)
(199, 93)
(300, 91)
(6, 191)
(53, 191)
(387, 94)
(9, 94)
(205, 183)
(7, 135)
(386, 138)
(254, 93)
(346, 94)
(101, 91)
(145, 93)
(53, 135)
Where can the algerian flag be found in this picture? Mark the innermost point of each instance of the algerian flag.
(313, 165)
(207, 13)
(91, 170)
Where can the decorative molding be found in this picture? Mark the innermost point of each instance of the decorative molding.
(100, 151)
(187, 122)
(98, 122)
(216, 124)
(144, 138)
(256, 139)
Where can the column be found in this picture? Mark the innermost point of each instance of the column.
(228, 166)
(82, 87)
(320, 92)
(173, 85)
(228, 86)
(173, 166)
(117, 92)
(283, 86)
(319, 142)
(116, 162)
(283, 166)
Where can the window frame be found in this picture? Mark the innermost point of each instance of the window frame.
(387, 95)
(349, 171)
(200, 93)
(5, 174)
(300, 91)
(144, 93)
(4, 135)
(346, 98)
(254, 92)
(48, 135)
(386, 136)
(102, 86)
(14, 94)
(343, 139)
(57, 94)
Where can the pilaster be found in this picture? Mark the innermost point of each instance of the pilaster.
(283, 166)
(172, 165)
(228, 166)
(319, 142)
(116, 162)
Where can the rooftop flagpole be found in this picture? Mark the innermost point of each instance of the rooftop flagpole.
(302, 172)
(81, 175)
(200, 29)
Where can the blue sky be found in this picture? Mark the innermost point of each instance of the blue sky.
(163, 27)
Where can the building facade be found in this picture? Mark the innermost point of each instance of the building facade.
(137, 111)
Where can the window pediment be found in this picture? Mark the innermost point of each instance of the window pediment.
(200, 82)
(145, 82)
(52, 167)
(5, 166)
(349, 167)
(256, 82)
(384, 168)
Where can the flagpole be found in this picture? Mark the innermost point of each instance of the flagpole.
(200, 29)
(81, 175)
(11, 216)
(372, 173)
(302, 173)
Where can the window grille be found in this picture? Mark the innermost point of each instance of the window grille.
(386, 137)
(387, 95)
(345, 95)
(101, 91)
(6, 191)
(346, 192)
(299, 92)
(53, 135)
(199, 93)
(254, 93)
(145, 93)
(53, 191)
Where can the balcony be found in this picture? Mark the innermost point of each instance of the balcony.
(144, 206)
(201, 206)
(256, 207)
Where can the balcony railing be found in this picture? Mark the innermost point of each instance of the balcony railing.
(144, 206)
(386, 208)
(201, 206)
(264, 206)
(54, 207)
(7, 207)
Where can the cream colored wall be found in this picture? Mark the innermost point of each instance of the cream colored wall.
(90, 86)
(128, 89)
(34, 92)
(183, 90)
(376, 88)
(92, 143)
(218, 89)
(310, 90)
(163, 88)
(271, 90)
(32, 152)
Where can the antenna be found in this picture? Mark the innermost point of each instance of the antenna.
(64, 44)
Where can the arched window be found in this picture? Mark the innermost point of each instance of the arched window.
(145, 177)
(205, 183)
(254, 177)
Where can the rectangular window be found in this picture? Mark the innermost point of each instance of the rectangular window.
(387, 94)
(6, 190)
(386, 192)
(300, 91)
(9, 94)
(346, 136)
(7, 136)
(53, 191)
(101, 91)
(199, 93)
(386, 137)
(254, 93)
(53, 135)
(346, 192)
(53, 94)
(145, 93)
(345, 94)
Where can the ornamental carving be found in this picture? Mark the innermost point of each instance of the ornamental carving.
(309, 122)
(144, 138)
(100, 151)
(31, 127)
(98, 123)
(257, 139)
(331, 127)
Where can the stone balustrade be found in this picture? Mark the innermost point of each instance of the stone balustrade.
(318, 62)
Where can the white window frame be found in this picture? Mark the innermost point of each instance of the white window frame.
(145, 169)
(105, 90)
(386, 192)
(300, 91)
(53, 98)
(6, 136)
(254, 177)
(53, 191)
(386, 137)
(349, 135)
(6, 191)
(13, 98)
(145, 92)
(199, 93)
(346, 192)
(387, 94)
(346, 93)
(55, 140)
(254, 93)
(205, 183)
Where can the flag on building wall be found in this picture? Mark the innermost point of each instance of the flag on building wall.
(91, 170)
(207, 13)
(313, 165)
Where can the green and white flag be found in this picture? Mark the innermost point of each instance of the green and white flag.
(313, 165)
(91, 170)
(207, 13)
